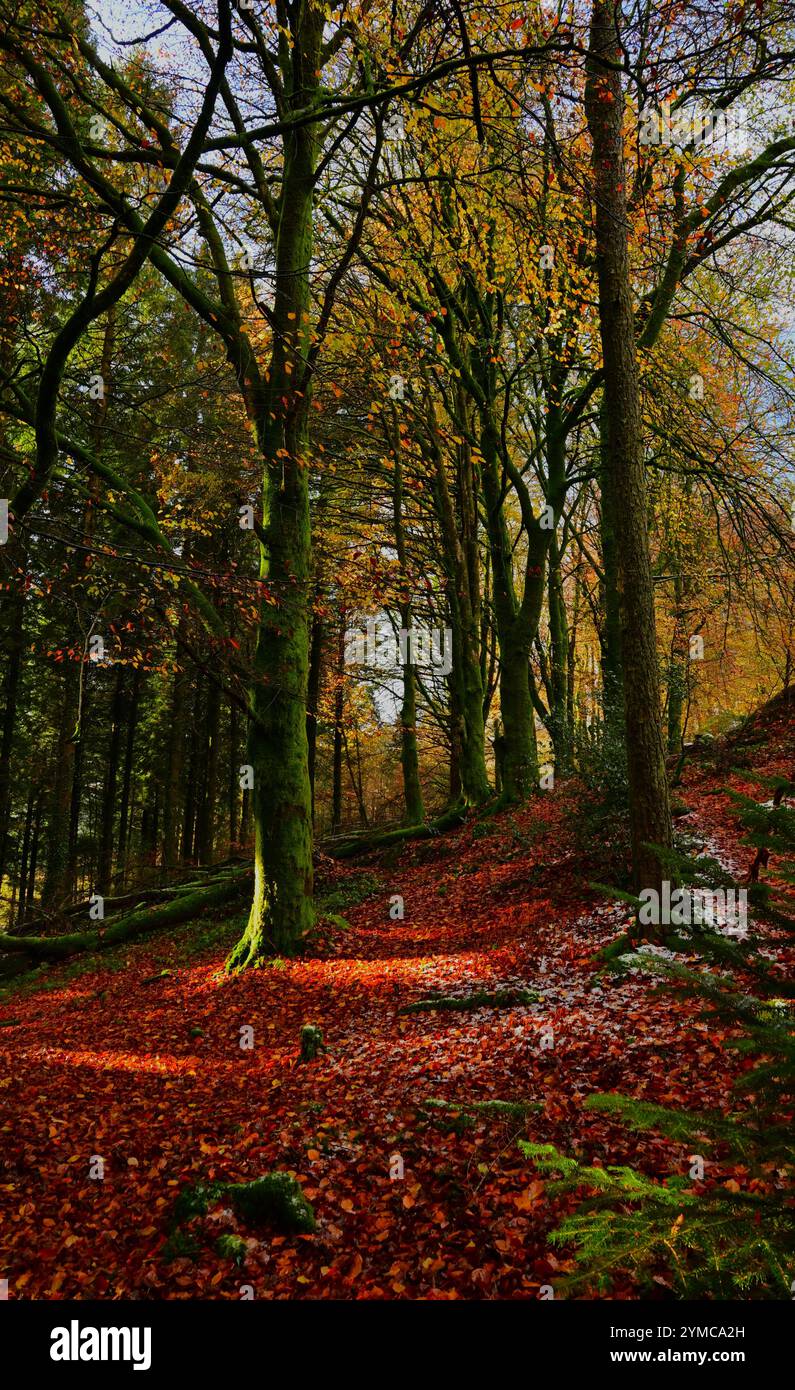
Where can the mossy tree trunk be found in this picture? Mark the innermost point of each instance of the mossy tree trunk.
(12, 645)
(612, 679)
(624, 475)
(517, 622)
(180, 908)
(339, 716)
(316, 645)
(678, 690)
(677, 665)
(676, 704)
(462, 571)
(282, 911)
(414, 810)
(175, 780)
(24, 859)
(455, 788)
(35, 844)
(517, 618)
(560, 726)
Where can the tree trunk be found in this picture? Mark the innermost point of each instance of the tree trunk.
(191, 785)
(677, 681)
(519, 748)
(409, 758)
(517, 625)
(105, 864)
(282, 909)
(205, 829)
(474, 775)
(560, 727)
(234, 775)
(24, 858)
(57, 886)
(124, 809)
(77, 790)
(173, 808)
(150, 818)
(245, 808)
(339, 712)
(13, 637)
(356, 776)
(676, 704)
(625, 475)
(414, 811)
(35, 841)
(180, 909)
(460, 555)
(612, 678)
(313, 692)
(455, 785)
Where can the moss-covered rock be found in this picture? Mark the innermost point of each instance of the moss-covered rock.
(499, 1109)
(195, 1201)
(276, 1199)
(312, 1043)
(480, 999)
(232, 1247)
(181, 1245)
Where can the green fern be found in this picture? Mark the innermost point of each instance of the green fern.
(716, 1239)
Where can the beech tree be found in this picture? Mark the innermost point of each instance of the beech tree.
(624, 474)
(299, 207)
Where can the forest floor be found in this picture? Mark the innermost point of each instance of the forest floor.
(105, 1056)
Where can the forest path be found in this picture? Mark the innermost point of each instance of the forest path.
(149, 1075)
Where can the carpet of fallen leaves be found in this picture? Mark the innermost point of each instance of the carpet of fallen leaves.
(146, 1070)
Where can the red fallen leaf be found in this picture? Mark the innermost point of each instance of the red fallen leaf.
(526, 1200)
(128, 1083)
